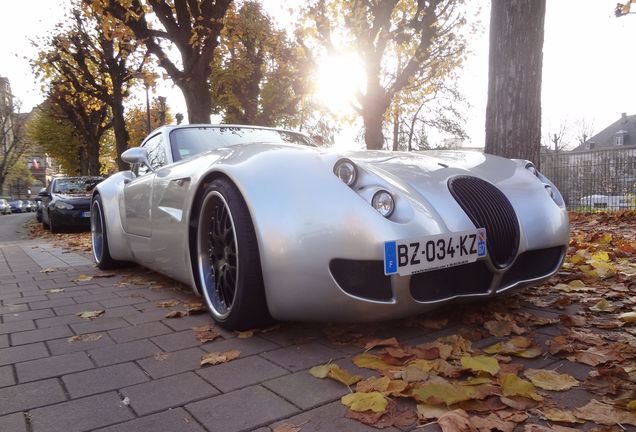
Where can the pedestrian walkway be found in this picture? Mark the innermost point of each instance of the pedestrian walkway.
(134, 369)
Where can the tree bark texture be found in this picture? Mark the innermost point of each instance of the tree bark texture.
(513, 114)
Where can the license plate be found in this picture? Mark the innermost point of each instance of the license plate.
(406, 257)
(85, 214)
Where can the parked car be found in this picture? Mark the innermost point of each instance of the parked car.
(17, 206)
(264, 225)
(66, 202)
(29, 205)
(38, 206)
(5, 208)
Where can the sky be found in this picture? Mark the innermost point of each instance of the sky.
(587, 65)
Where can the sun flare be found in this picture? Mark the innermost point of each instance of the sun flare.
(339, 78)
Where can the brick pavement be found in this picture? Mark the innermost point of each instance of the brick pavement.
(143, 373)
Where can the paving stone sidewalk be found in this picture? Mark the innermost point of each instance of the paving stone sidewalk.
(143, 373)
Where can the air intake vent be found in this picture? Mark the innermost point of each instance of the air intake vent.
(487, 207)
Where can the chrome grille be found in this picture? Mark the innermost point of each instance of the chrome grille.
(487, 207)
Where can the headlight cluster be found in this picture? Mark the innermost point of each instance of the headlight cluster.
(382, 200)
(549, 189)
(63, 205)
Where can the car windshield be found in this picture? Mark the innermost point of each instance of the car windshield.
(75, 186)
(187, 142)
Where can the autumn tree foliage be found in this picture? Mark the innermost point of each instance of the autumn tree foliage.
(513, 113)
(13, 142)
(259, 76)
(58, 137)
(426, 35)
(192, 27)
(136, 120)
(100, 59)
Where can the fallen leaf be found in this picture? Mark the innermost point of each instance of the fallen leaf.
(176, 314)
(206, 333)
(167, 303)
(161, 356)
(215, 358)
(550, 380)
(456, 421)
(245, 334)
(599, 412)
(55, 290)
(335, 372)
(48, 270)
(90, 314)
(481, 364)
(512, 385)
(373, 401)
(603, 306)
(628, 317)
(447, 393)
(429, 412)
(83, 278)
(492, 423)
(390, 342)
(370, 361)
(498, 328)
(89, 337)
(195, 308)
(555, 414)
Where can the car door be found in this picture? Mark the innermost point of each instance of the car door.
(138, 192)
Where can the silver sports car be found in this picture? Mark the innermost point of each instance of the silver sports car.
(264, 225)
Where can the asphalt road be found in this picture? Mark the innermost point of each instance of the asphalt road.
(12, 226)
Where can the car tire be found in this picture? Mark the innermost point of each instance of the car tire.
(53, 227)
(227, 261)
(99, 237)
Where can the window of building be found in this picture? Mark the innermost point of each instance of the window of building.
(618, 140)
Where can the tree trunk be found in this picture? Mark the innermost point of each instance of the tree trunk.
(83, 161)
(94, 166)
(373, 136)
(196, 93)
(396, 130)
(513, 114)
(119, 127)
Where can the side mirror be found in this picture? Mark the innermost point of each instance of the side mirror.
(43, 192)
(136, 155)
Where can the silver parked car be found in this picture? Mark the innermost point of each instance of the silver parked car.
(263, 224)
(5, 208)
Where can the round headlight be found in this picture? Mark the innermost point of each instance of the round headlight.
(346, 171)
(383, 202)
(530, 167)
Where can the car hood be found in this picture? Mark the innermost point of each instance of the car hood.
(421, 169)
(72, 198)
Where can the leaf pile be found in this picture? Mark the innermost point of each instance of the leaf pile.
(590, 310)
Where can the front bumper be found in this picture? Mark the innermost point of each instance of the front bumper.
(75, 218)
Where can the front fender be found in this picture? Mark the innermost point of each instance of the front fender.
(110, 191)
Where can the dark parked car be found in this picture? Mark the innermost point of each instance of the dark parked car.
(17, 206)
(38, 206)
(66, 202)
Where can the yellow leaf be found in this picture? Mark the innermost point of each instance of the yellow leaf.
(245, 334)
(424, 365)
(83, 278)
(215, 358)
(320, 371)
(605, 239)
(481, 364)
(343, 376)
(447, 393)
(603, 306)
(551, 380)
(90, 314)
(602, 269)
(359, 402)
(370, 361)
(631, 405)
(600, 256)
(512, 385)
